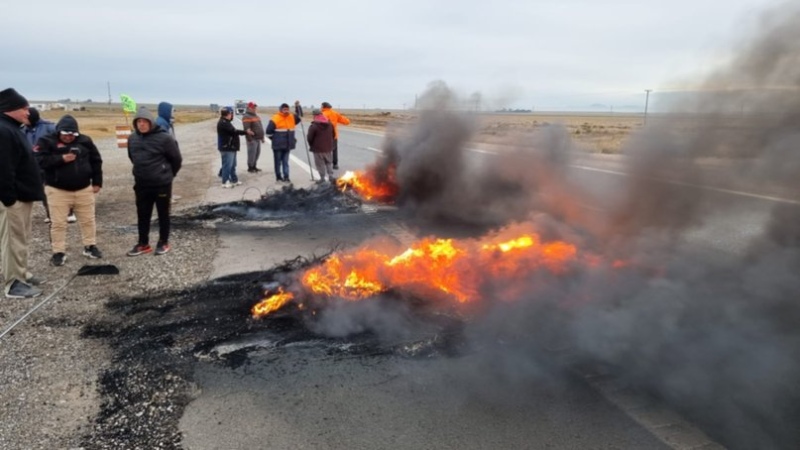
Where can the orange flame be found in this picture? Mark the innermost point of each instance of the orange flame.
(438, 269)
(272, 303)
(370, 185)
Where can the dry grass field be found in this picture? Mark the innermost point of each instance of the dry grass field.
(594, 133)
(100, 122)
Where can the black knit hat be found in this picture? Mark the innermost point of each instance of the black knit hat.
(326, 105)
(34, 116)
(10, 100)
(284, 105)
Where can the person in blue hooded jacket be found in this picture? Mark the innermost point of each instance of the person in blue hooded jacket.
(37, 128)
(166, 118)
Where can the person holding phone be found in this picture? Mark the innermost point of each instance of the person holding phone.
(73, 175)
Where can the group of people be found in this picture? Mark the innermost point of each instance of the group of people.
(57, 164)
(322, 140)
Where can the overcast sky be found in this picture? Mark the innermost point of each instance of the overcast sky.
(542, 54)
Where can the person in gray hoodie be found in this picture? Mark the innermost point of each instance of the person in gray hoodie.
(156, 161)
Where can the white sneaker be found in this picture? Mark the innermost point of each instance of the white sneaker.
(227, 185)
(238, 183)
(71, 218)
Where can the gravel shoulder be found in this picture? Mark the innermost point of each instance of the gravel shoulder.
(49, 376)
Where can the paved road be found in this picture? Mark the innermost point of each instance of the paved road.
(301, 397)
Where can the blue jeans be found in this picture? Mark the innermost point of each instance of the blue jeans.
(281, 158)
(229, 167)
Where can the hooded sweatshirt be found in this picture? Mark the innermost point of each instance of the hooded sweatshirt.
(320, 135)
(165, 119)
(155, 155)
(87, 168)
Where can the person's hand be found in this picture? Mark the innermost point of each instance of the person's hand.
(95, 189)
(69, 157)
(250, 132)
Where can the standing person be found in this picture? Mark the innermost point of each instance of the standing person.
(252, 122)
(228, 144)
(156, 160)
(166, 118)
(73, 173)
(36, 128)
(20, 186)
(298, 108)
(280, 130)
(336, 119)
(320, 139)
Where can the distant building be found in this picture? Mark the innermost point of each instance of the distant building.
(40, 106)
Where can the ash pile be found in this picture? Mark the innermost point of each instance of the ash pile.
(322, 199)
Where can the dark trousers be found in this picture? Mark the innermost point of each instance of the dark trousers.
(336, 152)
(146, 197)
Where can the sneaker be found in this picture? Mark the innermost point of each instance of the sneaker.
(91, 251)
(162, 248)
(238, 183)
(71, 218)
(256, 169)
(279, 179)
(287, 180)
(227, 185)
(35, 281)
(251, 170)
(335, 167)
(46, 220)
(139, 250)
(23, 290)
(58, 259)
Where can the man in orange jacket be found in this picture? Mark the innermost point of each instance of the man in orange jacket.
(336, 119)
(280, 131)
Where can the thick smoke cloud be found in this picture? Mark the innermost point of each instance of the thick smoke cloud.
(714, 331)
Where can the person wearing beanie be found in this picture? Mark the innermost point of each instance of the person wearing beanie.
(36, 128)
(156, 161)
(280, 131)
(320, 139)
(251, 121)
(336, 119)
(20, 186)
(73, 175)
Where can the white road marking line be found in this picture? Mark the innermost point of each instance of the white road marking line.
(305, 167)
(697, 186)
(614, 172)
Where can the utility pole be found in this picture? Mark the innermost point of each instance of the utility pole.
(646, 102)
(109, 94)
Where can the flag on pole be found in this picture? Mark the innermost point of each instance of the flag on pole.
(128, 105)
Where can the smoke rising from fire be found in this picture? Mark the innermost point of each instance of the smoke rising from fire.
(712, 329)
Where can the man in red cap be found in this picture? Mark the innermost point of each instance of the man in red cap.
(252, 122)
(20, 186)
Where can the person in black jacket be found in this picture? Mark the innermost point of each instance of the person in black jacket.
(73, 174)
(20, 186)
(156, 161)
(228, 143)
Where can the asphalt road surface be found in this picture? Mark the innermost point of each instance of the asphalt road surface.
(303, 396)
